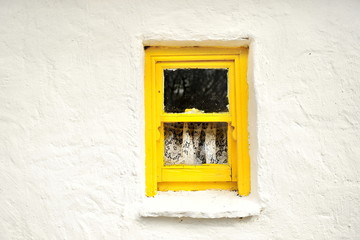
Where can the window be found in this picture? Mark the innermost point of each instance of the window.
(196, 119)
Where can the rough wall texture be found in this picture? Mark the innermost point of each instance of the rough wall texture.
(72, 128)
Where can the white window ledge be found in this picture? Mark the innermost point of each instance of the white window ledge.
(200, 204)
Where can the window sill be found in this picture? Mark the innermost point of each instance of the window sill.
(200, 204)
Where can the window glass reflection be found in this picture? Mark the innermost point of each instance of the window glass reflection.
(203, 89)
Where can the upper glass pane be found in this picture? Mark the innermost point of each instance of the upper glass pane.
(203, 89)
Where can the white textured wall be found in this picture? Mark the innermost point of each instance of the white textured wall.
(72, 129)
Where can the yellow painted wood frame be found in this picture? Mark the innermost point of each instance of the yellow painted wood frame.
(232, 176)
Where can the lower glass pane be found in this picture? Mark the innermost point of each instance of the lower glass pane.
(194, 143)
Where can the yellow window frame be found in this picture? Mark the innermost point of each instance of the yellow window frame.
(232, 176)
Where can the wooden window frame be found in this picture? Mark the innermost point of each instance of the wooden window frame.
(232, 176)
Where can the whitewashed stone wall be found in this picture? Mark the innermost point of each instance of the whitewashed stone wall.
(72, 116)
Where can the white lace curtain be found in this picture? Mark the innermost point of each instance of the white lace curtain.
(195, 143)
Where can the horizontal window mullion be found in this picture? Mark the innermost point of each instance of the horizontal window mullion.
(195, 118)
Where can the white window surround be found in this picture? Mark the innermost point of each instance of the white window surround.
(200, 204)
(210, 204)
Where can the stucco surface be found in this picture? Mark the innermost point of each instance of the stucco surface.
(72, 116)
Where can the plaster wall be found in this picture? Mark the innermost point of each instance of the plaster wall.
(72, 116)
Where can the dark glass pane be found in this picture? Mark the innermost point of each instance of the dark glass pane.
(203, 89)
(195, 143)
